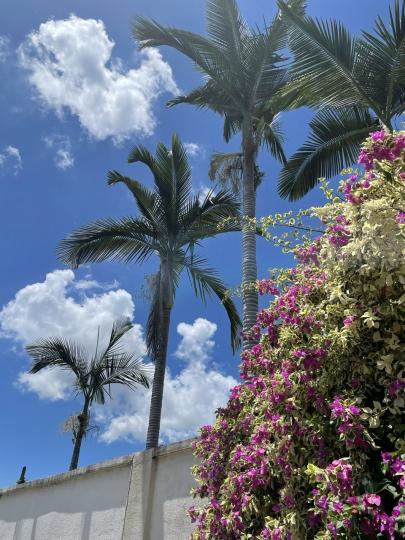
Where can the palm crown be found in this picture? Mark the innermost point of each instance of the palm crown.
(242, 67)
(94, 374)
(359, 83)
(172, 222)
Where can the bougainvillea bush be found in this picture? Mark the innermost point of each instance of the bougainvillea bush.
(311, 443)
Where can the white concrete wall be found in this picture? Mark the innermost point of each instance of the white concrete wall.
(139, 497)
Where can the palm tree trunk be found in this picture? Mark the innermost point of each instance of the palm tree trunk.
(166, 304)
(83, 420)
(155, 412)
(249, 263)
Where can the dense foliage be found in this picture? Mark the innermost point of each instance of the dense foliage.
(311, 444)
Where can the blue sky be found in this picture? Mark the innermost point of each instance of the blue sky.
(60, 134)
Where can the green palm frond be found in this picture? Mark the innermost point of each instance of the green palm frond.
(127, 239)
(206, 55)
(334, 142)
(226, 28)
(126, 370)
(207, 283)
(59, 352)
(326, 52)
(270, 133)
(384, 60)
(146, 200)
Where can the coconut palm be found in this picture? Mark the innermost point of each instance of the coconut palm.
(242, 70)
(93, 375)
(358, 84)
(171, 223)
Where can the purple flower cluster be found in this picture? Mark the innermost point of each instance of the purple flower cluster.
(338, 234)
(383, 147)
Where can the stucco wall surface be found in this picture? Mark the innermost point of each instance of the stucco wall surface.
(87, 504)
(143, 496)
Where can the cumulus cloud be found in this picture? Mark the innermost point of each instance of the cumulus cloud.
(50, 308)
(71, 67)
(62, 305)
(62, 146)
(10, 160)
(4, 48)
(190, 398)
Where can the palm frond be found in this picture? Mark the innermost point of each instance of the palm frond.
(334, 142)
(126, 370)
(384, 60)
(146, 200)
(207, 283)
(325, 57)
(59, 352)
(206, 55)
(127, 239)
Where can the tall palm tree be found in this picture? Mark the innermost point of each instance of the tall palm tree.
(357, 83)
(242, 70)
(171, 223)
(93, 375)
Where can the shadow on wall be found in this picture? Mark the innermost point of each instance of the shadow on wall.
(81, 507)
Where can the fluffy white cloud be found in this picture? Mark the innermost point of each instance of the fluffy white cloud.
(196, 343)
(49, 308)
(52, 307)
(10, 160)
(69, 64)
(189, 400)
(193, 149)
(4, 48)
(63, 158)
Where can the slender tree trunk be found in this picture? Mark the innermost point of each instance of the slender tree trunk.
(155, 412)
(249, 263)
(83, 420)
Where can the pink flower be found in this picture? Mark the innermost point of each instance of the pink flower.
(400, 218)
(371, 499)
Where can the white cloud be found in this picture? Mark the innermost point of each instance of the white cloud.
(49, 308)
(4, 48)
(196, 344)
(10, 160)
(47, 384)
(63, 158)
(70, 66)
(194, 149)
(189, 400)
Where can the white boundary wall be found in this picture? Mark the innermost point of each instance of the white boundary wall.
(142, 496)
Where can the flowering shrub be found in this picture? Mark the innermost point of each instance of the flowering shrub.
(311, 444)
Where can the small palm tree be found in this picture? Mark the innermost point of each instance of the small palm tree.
(171, 224)
(243, 69)
(358, 84)
(93, 376)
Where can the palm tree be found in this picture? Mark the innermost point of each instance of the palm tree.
(171, 224)
(358, 84)
(242, 70)
(93, 376)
